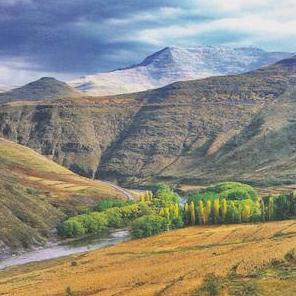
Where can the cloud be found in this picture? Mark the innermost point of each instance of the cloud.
(68, 38)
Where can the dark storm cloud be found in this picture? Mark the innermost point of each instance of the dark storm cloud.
(68, 35)
(71, 37)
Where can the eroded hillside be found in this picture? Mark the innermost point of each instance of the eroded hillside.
(192, 132)
(36, 194)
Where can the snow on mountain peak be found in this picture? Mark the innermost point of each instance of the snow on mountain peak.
(172, 64)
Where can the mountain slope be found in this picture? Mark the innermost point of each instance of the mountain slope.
(36, 193)
(43, 88)
(4, 88)
(187, 132)
(177, 64)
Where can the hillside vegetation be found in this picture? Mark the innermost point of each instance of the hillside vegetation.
(36, 194)
(192, 132)
(246, 257)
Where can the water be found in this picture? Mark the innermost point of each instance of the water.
(61, 250)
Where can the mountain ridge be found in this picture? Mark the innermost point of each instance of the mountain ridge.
(43, 88)
(187, 131)
(172, 64)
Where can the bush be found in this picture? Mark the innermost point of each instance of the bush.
(105, 204)
(114, 218)
(148, 225)
(291, 255)
(71, 228)
(212, 286)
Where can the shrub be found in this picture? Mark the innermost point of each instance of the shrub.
(71, 228)
(105, 204)
(148, 225)
(212, 286)
(114, 218)
(291, 255)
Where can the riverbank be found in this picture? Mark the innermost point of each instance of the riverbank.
(62, 249)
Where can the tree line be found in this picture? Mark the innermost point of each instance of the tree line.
(224, 203)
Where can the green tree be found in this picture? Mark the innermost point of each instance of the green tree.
(148, 225)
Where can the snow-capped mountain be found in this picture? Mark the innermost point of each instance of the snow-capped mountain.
(173, 64)
(4, 88)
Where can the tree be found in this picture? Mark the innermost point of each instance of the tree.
(207, 211)
(192, 213)
(216, 210)
(246, 212)
(224, 210)
(231, 212)
(186, 214)
(165, 196)
(148, 225)
(201, 213)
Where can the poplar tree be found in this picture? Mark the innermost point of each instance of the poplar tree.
(224, 210)
(186, 214)
(231, 212)
(201, 214)
(246, 212)
(192, 213)
(208, 210)
(216, 210)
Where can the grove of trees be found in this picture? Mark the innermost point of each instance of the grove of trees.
(224, 203)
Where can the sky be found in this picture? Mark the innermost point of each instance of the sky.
(69, 38)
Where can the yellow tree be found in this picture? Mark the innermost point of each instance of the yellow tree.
(246, 212)
(192, 213)
(208, 210)
(201, 213)
(187, 213)
(176, 211)
(216, 210)
(224, 210)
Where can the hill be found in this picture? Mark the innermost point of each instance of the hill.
(43, 88)
(173, 64)
(191, 132)
(36, 194)
(245, 259)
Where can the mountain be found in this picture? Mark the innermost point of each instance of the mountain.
(43, 88)
(235, 127)
(173, 64)
(4, 88)
(36, 194)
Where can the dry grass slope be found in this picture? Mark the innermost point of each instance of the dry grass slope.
(35, 194)
(174, 263)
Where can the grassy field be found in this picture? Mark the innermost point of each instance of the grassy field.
(174, 263)
(36, 193)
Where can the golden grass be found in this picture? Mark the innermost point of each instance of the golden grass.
(173, 263)
(39, 172)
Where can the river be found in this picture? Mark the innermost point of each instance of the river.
(68, 248)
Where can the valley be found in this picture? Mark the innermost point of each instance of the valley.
(147, 148)
(37, 194)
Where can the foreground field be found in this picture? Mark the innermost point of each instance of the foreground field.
(174, 263)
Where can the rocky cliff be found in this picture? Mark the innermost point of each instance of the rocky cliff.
(194, 131)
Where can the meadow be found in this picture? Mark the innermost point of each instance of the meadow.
(173, 263)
